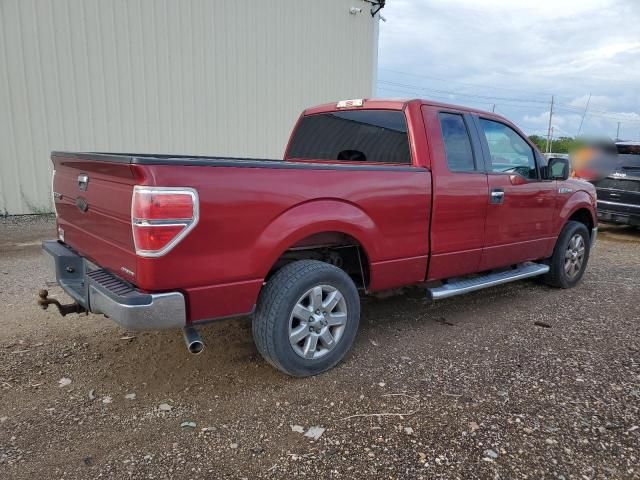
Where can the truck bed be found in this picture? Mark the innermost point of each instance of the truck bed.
(202, 161)
(250, 212)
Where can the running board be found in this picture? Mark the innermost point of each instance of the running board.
(466, 285)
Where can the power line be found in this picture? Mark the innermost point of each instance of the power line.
(486, 97)
(449, 81)
(583, 115)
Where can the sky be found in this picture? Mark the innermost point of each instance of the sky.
(516, 54)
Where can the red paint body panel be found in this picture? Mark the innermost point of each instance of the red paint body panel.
(415, 223)
(103, 233)
(518, 229)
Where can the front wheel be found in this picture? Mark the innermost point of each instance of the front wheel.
(306, 318)
(570, 256)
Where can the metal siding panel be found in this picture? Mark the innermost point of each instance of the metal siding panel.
(223, 77)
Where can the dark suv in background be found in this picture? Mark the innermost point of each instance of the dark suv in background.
(619, 192)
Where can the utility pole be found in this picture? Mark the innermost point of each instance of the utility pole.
(584, 114)
(494, 108)
(549, 129)
(551, 143)
(618, 132)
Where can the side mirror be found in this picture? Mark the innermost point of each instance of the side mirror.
(558, 169)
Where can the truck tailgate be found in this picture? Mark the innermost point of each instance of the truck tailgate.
(93, 205)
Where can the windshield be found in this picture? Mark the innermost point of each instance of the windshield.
(628, 156)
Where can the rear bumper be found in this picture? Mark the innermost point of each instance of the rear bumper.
(99, 291)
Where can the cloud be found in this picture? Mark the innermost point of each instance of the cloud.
(516, 55)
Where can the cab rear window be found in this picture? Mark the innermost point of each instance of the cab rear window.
(352, 136)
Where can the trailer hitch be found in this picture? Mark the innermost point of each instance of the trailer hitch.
(44, 301)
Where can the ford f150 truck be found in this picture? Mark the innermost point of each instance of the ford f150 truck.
(371, 195)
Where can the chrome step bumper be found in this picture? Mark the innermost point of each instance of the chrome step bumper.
(99, 291)
(466, 285)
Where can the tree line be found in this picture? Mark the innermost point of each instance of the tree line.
(558, 145)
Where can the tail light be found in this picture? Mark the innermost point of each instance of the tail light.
(161, 217)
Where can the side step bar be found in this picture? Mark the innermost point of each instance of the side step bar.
(466, 285)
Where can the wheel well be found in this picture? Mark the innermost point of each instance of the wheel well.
(335, 248)
(583, 216)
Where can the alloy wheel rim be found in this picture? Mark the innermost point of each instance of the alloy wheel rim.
(317, 322)
(574, 256)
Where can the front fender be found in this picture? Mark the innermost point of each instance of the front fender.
(310, 218)
(578, 200)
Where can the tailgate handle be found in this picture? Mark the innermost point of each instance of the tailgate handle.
(83, 181)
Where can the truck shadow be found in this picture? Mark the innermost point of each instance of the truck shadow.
(622, 233)
(231, 362)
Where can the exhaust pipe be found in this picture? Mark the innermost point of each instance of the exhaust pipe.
(194, 342)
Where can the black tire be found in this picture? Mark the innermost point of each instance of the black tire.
(273, 315)
(557, 275)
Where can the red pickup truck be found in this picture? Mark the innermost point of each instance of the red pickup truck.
(371, 195)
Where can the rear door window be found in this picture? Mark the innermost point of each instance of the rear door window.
(352, 136)
(457, 144)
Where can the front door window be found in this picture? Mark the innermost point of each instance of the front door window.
(510, 153)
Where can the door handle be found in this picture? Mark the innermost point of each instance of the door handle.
(497, 196)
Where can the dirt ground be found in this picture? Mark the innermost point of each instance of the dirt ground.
(468, 387)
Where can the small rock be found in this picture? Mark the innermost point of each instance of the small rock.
(147, 458)
(474, 426)
(408, 430)
(63, 382)
(107, 399)
(165, 407)
(550, 441)
(374, 343)
(3, 419)
(528, 430)
(233, 445)
(423, 457)
(208, 429)
(490, 454)
(542, 324)
(188, 424)
(297, 428)
(257, 450)
(314, 433)
(87, 461)
(130, 396)
(381, 384)
(92, 394)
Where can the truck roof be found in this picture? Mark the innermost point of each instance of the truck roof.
(394, 104)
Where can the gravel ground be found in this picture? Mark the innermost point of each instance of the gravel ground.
(469, 387)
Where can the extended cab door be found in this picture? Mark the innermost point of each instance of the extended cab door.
(460, 193)
(521, 204)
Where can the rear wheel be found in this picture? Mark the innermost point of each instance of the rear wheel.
(570, 256)
(306, 318)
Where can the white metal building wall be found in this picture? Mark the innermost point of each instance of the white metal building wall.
(202, 77)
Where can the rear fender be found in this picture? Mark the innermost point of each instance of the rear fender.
(310, 218)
